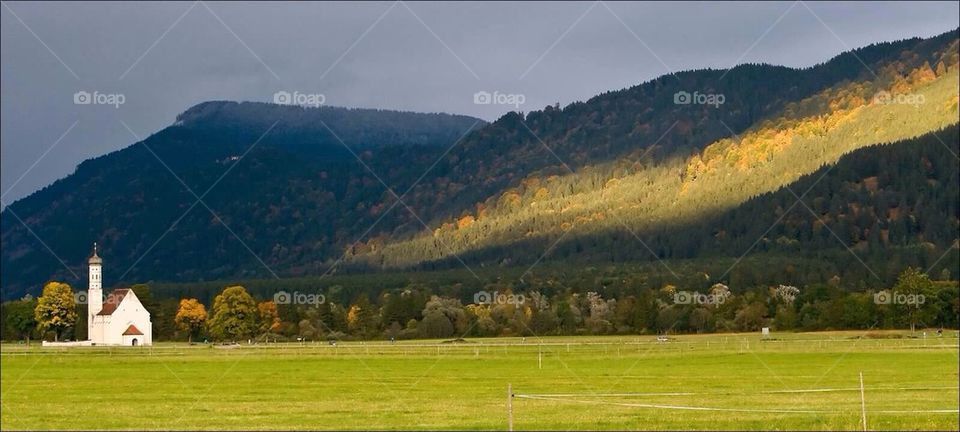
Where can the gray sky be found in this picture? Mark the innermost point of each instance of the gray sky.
(166, 57)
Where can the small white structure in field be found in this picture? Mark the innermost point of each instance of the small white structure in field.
(765, 332)
(121, 319)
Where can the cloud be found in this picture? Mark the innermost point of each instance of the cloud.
(410, 56)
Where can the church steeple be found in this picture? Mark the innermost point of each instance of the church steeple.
(95, 259)
(94, 288)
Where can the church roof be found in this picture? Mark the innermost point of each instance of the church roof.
(113, 301)
(132, 330)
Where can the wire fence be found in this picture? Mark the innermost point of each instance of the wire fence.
(604, 399)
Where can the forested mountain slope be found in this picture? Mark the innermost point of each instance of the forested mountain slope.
(874, 212)
(908, 97)
(288, 191)
(274, 176)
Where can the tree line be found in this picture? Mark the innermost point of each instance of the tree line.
(416, 311)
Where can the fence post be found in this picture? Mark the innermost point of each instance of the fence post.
(510, 407)
(863, 404)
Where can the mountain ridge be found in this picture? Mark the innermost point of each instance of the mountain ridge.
(325, 201)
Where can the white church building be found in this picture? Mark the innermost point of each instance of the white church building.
(120, 319)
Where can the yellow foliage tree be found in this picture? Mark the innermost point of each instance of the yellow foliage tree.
(353, 317)
(191, 316)
(56, 309)
(465, 221)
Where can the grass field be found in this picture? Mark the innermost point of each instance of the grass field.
(732, 381)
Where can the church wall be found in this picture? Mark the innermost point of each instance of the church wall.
(130, 311)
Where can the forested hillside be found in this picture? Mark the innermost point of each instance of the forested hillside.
(287, 191)
(875, 212)
(644, 195)
(274, 176)
(861, 223)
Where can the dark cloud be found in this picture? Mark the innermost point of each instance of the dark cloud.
(410, 56)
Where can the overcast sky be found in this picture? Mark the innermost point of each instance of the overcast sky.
(165, 57)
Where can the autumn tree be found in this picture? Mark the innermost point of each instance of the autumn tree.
(234, 315)
(269, 317)
(191, 316)
(56, 309)
(362, 317)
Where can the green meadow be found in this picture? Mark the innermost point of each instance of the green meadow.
(725, 381)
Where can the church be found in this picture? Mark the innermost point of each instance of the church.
(120, 319)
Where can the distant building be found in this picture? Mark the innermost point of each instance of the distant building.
(120, 319)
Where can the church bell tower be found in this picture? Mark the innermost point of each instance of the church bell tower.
(94, 290)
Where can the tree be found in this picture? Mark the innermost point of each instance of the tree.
(234, 315)
(56, 309)
(483, 325)
(669, 318)
(307, 330)
(544, 322)
(701, 319)
(646, 311)
(361, 317)
(625, 313)
(598, 322)
(452, 309)
(915, 287)
(568, 317)
(786, 317)
(750, 317)
(163, 318)
(191, 315)
(435, 325)
(19, 317)
(269, 317)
